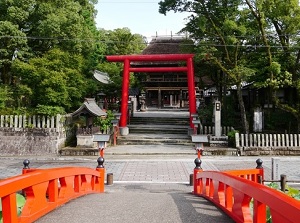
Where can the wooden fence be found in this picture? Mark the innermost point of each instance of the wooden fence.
(267, 140)
(210, 130)
(19, 122)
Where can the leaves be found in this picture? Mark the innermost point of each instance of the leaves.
(5, 95)
(54, 80)
(20, 204)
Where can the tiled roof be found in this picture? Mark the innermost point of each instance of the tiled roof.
(89, 106)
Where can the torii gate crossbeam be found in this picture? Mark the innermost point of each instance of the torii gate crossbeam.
(127, 59)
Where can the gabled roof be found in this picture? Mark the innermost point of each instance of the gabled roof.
(89, 107)
(166, 45)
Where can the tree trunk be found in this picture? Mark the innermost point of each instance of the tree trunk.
(244, 121)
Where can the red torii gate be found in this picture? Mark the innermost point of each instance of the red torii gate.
(127, 59)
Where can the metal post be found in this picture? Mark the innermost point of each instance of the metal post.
(109, 178)
(191, 179)
(283, 180)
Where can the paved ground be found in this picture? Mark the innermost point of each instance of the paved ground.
(153, 164)
(150, 184)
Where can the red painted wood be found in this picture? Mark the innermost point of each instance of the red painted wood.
(127, 59)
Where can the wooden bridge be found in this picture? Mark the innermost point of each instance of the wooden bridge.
(238, 193)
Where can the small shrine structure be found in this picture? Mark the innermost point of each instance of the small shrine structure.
(89, 109)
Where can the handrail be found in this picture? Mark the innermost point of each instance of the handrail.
(46, 189)
(233, 194)
(255, 175)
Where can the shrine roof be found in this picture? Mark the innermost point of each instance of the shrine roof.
(89, 107)
(166, 45)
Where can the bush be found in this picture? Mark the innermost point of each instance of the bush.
(49, 110)
(231, 138)
(104, 123)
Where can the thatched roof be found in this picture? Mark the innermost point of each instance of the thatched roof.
(166, 45)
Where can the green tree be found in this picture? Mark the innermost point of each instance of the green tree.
(31, 33)
(119, 42)
(220, 30)
(54, 79)
(5, 96)
(122, 42)
(10, 48)
(278, 23)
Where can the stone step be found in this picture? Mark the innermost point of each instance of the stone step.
(153, 142)
(158, 129)
(158, 120)
(222, 151)
(154, 139)
(208, 151)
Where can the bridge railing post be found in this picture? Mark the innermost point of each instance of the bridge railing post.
(197, 182)
(259, 209)
(26, 166)
(100, 168)
(260, 177)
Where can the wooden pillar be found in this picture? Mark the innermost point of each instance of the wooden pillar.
(191, 88)
(124, 98)
(159, 98)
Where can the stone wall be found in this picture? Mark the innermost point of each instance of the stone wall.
(31, 141)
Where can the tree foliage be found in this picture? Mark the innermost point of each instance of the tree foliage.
(54, 79)
(219, 29)
(49, 49)
(247, 40)
(119, 42)
(279, 24)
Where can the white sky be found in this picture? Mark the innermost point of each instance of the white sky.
(140, 16)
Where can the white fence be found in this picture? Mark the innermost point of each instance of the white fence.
(210, 130)
(19, 122)
(267, 140)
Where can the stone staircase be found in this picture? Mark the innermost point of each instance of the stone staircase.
(157, 131)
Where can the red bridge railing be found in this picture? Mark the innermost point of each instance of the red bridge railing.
(241, 196)
(47, 189)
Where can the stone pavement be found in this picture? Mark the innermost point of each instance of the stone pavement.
(153, 164)
(150, 183)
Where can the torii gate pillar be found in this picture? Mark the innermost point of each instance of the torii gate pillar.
(126, 59)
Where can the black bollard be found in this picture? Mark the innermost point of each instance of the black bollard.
(198, 163)
(26, 164)
(259, 163)
(100, 161)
